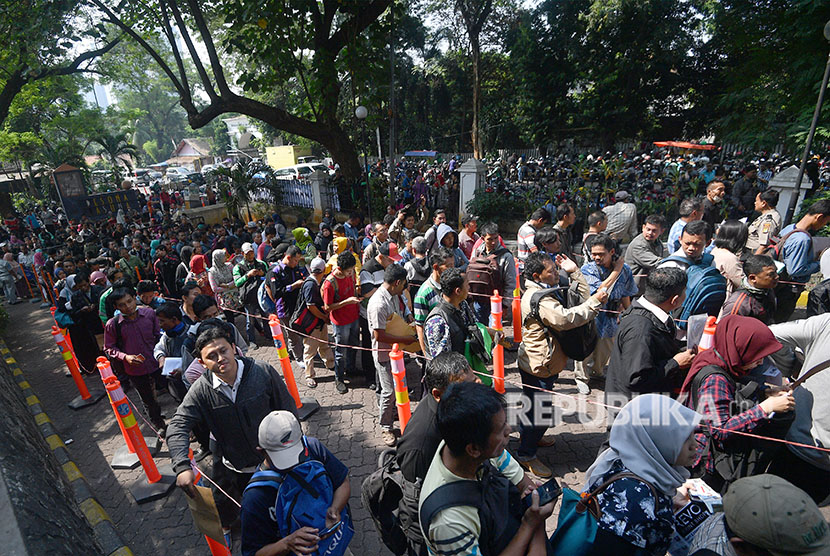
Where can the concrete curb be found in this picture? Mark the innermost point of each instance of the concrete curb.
(95, 514)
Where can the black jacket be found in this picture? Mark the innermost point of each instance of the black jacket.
(642, 358)
(419, 442)
(818, 300)
(235, 425)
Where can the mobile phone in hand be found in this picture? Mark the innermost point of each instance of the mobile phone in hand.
(548, 492)
(330, 530)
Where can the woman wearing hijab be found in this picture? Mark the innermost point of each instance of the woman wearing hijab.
(739, 345)
(653, 438)
(323, 239)
(279, 226)
(199, 274)
(153, 246)
(220, 278)
(328, 218)
(303, 240)
(341, 244)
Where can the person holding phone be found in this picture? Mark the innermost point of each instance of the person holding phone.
(287, 452)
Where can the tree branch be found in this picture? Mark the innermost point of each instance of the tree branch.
(207, 39)
(73, 67)
(353, 26)
(171, 39)
(177, 15)
(184, 94)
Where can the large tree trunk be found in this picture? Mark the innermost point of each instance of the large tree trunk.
(13, 85)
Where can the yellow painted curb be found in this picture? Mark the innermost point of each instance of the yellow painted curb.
(55, 442)
(71, 471)
(93, 511)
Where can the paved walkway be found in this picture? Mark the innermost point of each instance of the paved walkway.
(346, 424)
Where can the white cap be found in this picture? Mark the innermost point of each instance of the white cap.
(281, 436)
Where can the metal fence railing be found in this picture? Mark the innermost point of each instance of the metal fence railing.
(298, 193)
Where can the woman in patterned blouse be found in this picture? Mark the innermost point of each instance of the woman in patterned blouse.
(653, 438)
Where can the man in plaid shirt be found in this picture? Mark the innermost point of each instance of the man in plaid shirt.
(622, 218)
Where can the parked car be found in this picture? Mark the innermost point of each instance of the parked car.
(176, 174)
(140, 176)
(195, 178)
(299, 171)
(308, 160)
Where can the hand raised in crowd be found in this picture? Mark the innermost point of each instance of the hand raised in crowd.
(780, 401)
(566, 264)
(684, 358)
(601, 295)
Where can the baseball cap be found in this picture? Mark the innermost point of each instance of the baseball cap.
(771, 513)
(621, 195)
(317, 266)
(390, 250)
(281, 437)
(247, 247)
(97, 275)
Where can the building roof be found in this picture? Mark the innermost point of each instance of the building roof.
(199, 145)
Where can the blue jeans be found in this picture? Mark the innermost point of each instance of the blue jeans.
(344, 357)
(481, 309)
(531, 435)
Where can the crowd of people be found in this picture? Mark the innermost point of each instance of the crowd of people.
(177, 305)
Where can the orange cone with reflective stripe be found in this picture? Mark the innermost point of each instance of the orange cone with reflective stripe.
(401, 391)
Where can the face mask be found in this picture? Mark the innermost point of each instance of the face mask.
(717, 199)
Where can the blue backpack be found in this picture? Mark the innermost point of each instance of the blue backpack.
(705, 288)
(265, 302)
(304, 493)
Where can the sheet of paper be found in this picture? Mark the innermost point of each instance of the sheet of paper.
(205, 515)
(171, 364)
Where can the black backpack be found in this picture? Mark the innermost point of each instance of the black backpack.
(381, 493)
(743, 456)
(302, 320)
(577, 343)
(498, 501)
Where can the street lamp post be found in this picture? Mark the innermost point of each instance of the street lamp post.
(360, 113)
(812, 132)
